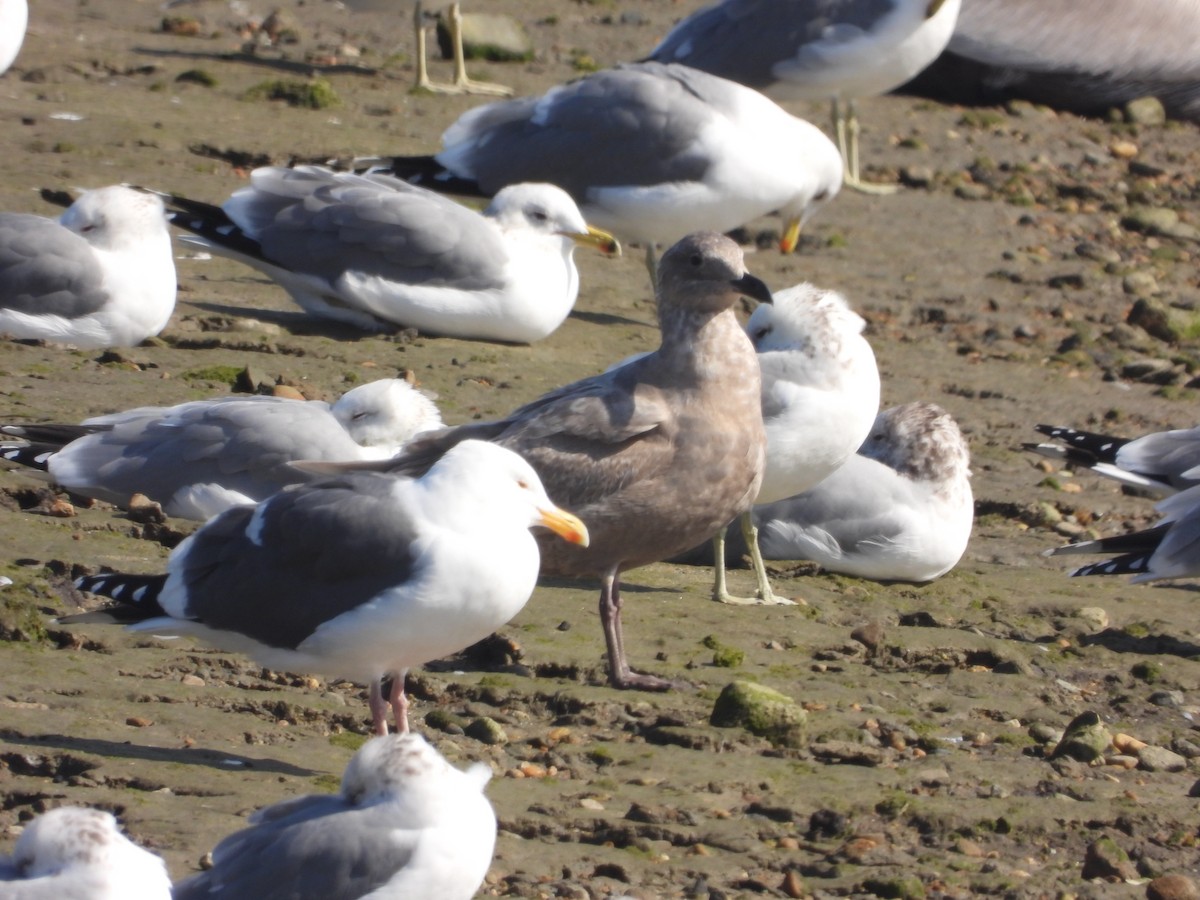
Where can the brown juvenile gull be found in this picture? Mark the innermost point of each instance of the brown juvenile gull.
(406, 824)
(201, 457)
(653, 456)
(75, 853)
(360, 575)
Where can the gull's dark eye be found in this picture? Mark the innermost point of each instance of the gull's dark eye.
(696, 259)
(761, 333)
(538, 215)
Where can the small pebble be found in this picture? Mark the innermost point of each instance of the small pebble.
(1172, 887)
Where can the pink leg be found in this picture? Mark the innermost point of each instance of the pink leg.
(379, 707)
(619, 673)
(399, 701)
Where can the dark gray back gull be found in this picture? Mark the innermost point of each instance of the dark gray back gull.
(656, 455)
(649, 151)
(75, 853)
(377, 252)
(1086, 57)
(406, 824)
(360, 575)
(199, 458)
(815, 49)
(101, 275)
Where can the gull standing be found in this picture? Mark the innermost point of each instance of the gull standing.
(74, 853)
(199, 458)
(820, 394)
(406, 824)
(360, 575)
(812, 49)
(101, 275)
(655, 455)
(377, 252)
(901, 509)
(650, 152)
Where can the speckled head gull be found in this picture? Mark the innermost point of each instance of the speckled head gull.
(650, 152)
(378, 253)
(820, 394)
(199, 458)
(406, 824)
(360, 575)
(74, 853)
(102, 275)
(812, 49)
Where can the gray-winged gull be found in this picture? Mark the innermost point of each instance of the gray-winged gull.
(406, 824)
(101, 275)
(1170, 549)
(1082, 56)
(14, 17)
(1162, 462)
(900, 509)
(75, 853)
(813, 49)
(655, 455)
(820, 395)
(650, 152)
(360, 575)
(199, 458)
(377, 252)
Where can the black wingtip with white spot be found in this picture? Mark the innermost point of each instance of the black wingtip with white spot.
(140, 592)
(33, 456)
(1090, 446)
(1131, 564)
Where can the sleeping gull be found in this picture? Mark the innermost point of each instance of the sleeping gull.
(812, 49)
(650, 152)
(360, 575)
(820, 394)
(199, 458)
(14, 17)
(654, 455)
(1163, 462)
(377, 252)
(1167, 550)
(101, 275)
(406, 824)
(900, 509)
(1085, 57)
(74, 853)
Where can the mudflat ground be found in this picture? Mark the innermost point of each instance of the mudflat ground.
(997, 283)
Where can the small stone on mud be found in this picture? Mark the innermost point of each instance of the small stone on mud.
(139, 722)
(192, 681)
(761, 711)
(1172, 887)
(1160, 759)
(1085, 739)
(1104, 859)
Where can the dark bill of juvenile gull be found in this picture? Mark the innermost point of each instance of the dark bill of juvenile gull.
(655, 455)
(359, 576)
(199, 458)
(1083, 57)
(101, 275)
(1171, 549)
(1163, 462)
(901, 509)
(405, 824)
(650, 152)
(75, 853)
(820, 395)
(816, 49)
(378, 253)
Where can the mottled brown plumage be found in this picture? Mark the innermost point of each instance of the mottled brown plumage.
(656, 455)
